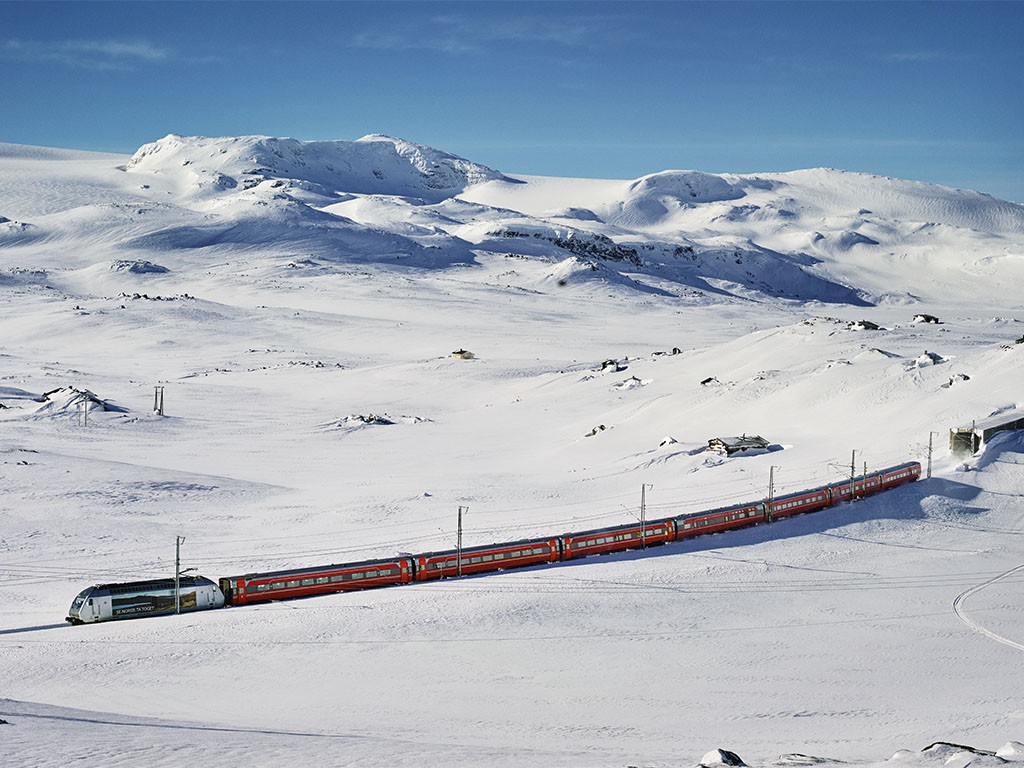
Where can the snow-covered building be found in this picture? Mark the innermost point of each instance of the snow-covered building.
(743, 444)
(967, 441)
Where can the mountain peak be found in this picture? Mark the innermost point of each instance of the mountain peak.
(374, 164)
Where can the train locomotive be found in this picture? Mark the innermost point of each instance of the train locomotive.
(130, 600)
(150, 598)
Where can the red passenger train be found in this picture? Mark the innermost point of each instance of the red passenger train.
(404, 569)
(277, 585)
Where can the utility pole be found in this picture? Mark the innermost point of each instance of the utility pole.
(930, 435)
(178, 541)
(930, 450)
(458, 558)
(771, 490)
(853, 470)
(158, 401)
(643, 514)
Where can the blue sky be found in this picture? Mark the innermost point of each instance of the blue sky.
(932, 91)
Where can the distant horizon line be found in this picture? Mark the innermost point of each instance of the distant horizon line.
(110, 150)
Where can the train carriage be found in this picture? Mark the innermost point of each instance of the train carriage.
(845, 490)
(857, 488)
(894, 476)
(617, 538)
(493, 557)
(798, 503)
(319, 580)
(722, 519)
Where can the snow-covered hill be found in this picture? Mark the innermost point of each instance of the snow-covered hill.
(819, 235)
(204, 167)
(295, 307)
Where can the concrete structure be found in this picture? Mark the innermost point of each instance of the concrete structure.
(967, 441)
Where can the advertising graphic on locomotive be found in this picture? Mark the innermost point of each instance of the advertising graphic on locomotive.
(129, 600)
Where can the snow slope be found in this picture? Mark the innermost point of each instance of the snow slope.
(283, 294)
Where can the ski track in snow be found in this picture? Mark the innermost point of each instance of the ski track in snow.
(961, 599)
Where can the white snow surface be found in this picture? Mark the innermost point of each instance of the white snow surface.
(299, 303)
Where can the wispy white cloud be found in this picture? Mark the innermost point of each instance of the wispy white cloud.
(914, 56)
(392, 41)
(459, 34)
(89, 54)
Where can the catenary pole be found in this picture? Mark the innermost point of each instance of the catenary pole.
(930, 449)
(853, 470)
(178, 540)
(643, 514)
(458, 548)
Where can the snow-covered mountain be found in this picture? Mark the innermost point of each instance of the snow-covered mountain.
(250, 342)
(321, 169)
(819, 235)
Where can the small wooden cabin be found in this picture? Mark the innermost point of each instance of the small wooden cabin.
(742, 444)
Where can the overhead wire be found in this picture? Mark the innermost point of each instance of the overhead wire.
(12, 573)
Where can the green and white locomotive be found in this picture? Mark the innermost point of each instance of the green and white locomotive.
(133, 599)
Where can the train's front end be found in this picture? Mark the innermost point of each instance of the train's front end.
(85, 608)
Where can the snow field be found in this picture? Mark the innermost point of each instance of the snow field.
(278, 340)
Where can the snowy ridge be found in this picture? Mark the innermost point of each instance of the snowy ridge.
(816, 235)
(370, 165)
